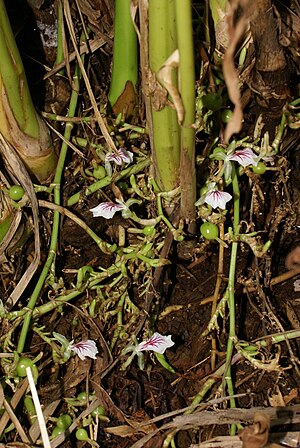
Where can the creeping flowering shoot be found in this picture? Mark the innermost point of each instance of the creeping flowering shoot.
(85, 349)
(108, 209)
(119, 157)
(157, 343)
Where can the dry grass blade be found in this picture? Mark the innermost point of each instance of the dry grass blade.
(34, 431)
(287, 439)
(15, 165)
(16, 422)
(98, 116)
(94, 45)
(38, 408)
(2, 396)
(278, 417)
(11, 232)
(14, 401)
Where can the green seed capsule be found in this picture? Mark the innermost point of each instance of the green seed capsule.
(16, 192)
(209, 230)
(260, 168)
(81, 434)
(212, 101)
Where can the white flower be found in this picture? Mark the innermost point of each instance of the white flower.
(157, 343)
(297, 285)
(108, 209)
(217, 198)
(85, 349)
(213, 197)
(122, 155)
(244, 157)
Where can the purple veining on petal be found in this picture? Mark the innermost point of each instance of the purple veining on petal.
(122, 156)
(157, 343)
(216, 198)
(107, 209)
(85, 349)
(244, 157)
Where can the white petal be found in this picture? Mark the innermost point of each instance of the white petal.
(297, 285)
(85, 349)
(244, 157)
(113, 157)
(106, 209)
(127, 156)
(217, 198)
(156, 343)
(108, 167)
(121, 156)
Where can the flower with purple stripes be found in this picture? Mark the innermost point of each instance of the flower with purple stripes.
(157, 343)
(85, 349)
(118, 157)
(217, 199)
(244, 157)
(122, 155)
(108, 209)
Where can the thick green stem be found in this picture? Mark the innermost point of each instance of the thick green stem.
(219, 14)
(122, 94)
(19, 121)
(187, 91)
(166, 132)
(56, 217)
(14, 78)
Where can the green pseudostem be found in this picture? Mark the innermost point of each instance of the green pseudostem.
(56, 215)
(166, 131)
(122, 94)
(219, 15)
(19, 122)
(187, 92)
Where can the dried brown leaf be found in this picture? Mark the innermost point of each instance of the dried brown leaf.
(165, 77)
(257, 434)
(293, 259)
(15, 165)
(230, 74)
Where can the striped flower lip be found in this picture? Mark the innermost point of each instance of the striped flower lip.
(157, 343)
(217, 199)
(122, 155)
(244, 157)
(107, 209)
(85, 349)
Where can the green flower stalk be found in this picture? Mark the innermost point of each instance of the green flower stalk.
(122, 94)
(166, 131)
(19, 122)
